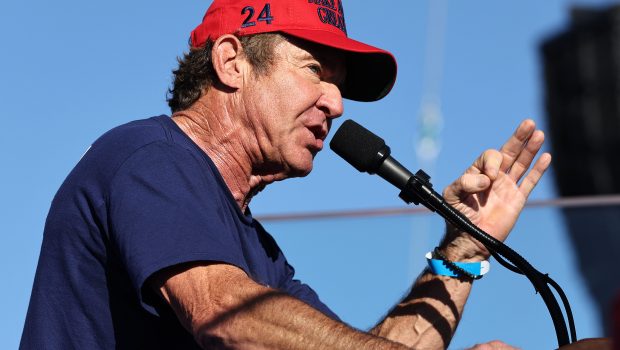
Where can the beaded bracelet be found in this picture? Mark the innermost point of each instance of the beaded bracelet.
(443, 266)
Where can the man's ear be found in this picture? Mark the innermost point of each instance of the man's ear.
(228, 60)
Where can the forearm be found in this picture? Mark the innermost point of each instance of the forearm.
(224, 309)
(428, 316)
(272, 320)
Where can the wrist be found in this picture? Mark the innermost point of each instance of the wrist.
(460, 246)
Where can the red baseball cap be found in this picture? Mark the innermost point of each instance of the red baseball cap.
(371, 71)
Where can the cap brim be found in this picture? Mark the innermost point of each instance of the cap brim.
(371, 72)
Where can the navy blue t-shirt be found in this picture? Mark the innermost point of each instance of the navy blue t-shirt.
(144, 197)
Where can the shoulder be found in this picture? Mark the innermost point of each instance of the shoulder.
(152, 147)
(154, 140)
(135, 134)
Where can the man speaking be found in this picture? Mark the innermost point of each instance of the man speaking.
(150, 243)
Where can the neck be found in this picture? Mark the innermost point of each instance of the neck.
(229, 143)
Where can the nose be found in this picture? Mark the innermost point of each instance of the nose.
(330, 101)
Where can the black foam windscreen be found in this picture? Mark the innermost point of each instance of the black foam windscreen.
(358, 146)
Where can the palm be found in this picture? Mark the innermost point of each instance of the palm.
(495, 210)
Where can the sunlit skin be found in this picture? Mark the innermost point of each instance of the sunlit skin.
(258, 129)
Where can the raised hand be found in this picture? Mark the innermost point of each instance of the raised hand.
(493, 191)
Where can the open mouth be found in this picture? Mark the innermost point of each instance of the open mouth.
(319, 133)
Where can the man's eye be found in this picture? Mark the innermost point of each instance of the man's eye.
(315, 68)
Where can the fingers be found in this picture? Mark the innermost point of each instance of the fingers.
(512, 149)
(477, 177)
(525, 158)
(514, 158)
(471, 183)
(537, 171)
(488, 163)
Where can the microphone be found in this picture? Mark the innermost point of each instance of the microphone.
(367, 152)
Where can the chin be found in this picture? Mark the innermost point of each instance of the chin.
(300, 172)
(301, 168)
(299, 161)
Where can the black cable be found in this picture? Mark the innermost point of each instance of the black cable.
(569, 312)
(419, 191)
(537, 279)
(555, 285)
(505, 263)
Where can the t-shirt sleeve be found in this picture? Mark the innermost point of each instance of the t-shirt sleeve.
(165, 208)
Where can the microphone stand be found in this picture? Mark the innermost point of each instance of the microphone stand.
(419, 190)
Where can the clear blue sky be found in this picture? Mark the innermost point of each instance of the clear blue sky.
(70, 70)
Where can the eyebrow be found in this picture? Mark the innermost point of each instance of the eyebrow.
(308, 56)
(325, 61)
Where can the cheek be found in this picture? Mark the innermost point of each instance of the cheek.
(296, 93)
(293, 99)
(282, 102)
